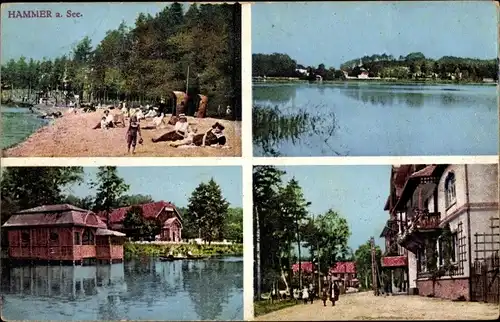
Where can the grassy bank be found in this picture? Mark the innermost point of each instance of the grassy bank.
(132, 250)
(264, 307)
(284, 80)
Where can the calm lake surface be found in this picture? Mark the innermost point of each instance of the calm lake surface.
(136, 290)
(17, 124)
(376, 119)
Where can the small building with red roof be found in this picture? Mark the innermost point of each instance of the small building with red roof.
(346, 272)
(165, 213)
(306, 267)
(61, 233)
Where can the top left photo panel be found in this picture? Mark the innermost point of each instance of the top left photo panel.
(121, 79)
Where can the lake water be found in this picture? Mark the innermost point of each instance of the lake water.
(376, 119)
(135, 290)
(18, 124)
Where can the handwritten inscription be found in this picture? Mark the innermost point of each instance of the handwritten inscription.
(27, 14)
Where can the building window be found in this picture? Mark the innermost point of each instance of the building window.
(25, 238)
(449, 189)
(88, 237)
(422, 261)
(454, 242)
(77, 238)
(53, 237)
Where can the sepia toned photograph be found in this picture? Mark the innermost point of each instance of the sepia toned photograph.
(121, 79)
(413, 242)
(121, 243)
(390, 78)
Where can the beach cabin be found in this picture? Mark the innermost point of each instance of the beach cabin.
(202, 106)
(178, 98)
(164, 213)
(61, 233)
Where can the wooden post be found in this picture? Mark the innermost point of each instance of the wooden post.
(374, 267)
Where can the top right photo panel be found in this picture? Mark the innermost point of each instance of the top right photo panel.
(375, 79)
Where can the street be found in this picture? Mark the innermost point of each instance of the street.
(366, 306)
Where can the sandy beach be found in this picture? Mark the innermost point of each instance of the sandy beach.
(72, 136)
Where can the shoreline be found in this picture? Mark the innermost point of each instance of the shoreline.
(72, 136)
(136, 250)
(286, 80)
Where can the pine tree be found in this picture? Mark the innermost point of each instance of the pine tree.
(208, 209)
(110, 187)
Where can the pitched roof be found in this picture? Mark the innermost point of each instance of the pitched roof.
(306, 267)
(51, 208)
(107, 232)
(170, 221)
(54, 215)
(149, 211)
(343, 267)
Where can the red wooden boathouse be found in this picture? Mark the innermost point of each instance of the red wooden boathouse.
(61, 233)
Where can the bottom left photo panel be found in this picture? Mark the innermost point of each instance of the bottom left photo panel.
(122, 243)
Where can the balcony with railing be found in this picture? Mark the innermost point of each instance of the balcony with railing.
(424, 225)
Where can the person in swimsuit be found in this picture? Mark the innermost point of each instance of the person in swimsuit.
(134, 131)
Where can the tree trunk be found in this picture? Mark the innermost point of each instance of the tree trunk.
(300, 259)
(257, 254)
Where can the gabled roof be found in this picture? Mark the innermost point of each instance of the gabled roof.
(343, 267)
(412, 182)
(170, 221)
(149, 211)
(306, 267)
(54, 215)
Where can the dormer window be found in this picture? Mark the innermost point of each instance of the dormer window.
(449, 189)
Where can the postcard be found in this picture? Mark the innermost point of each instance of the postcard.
(122, 243)
(375, 78)
(334, 255)
(121, 79)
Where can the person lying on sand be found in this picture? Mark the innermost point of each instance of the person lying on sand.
(213, 137)
(188, 140)
(159, 121)
(109, 121)
(180, 131)
(133, 132)
(151, 113)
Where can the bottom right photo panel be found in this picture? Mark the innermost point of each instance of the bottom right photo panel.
(376, 242)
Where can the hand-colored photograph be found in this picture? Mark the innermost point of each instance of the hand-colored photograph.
(400, 78)
(113, 243)
(121, 79)
(412, 242)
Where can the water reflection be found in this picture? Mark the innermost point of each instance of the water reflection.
(274, 94)
(136, 290)
(373, 119)
(416, 97)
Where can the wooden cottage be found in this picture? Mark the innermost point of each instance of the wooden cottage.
(61, 233)
(346, 272)
(164, 213)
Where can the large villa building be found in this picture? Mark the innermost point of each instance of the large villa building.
(165, 213)
(443, 230)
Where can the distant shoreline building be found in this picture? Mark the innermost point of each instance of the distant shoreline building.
(426, 199)
(165, 213)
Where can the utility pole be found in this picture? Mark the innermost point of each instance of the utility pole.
(374, 268)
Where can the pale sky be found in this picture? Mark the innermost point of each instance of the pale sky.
(335, 32)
